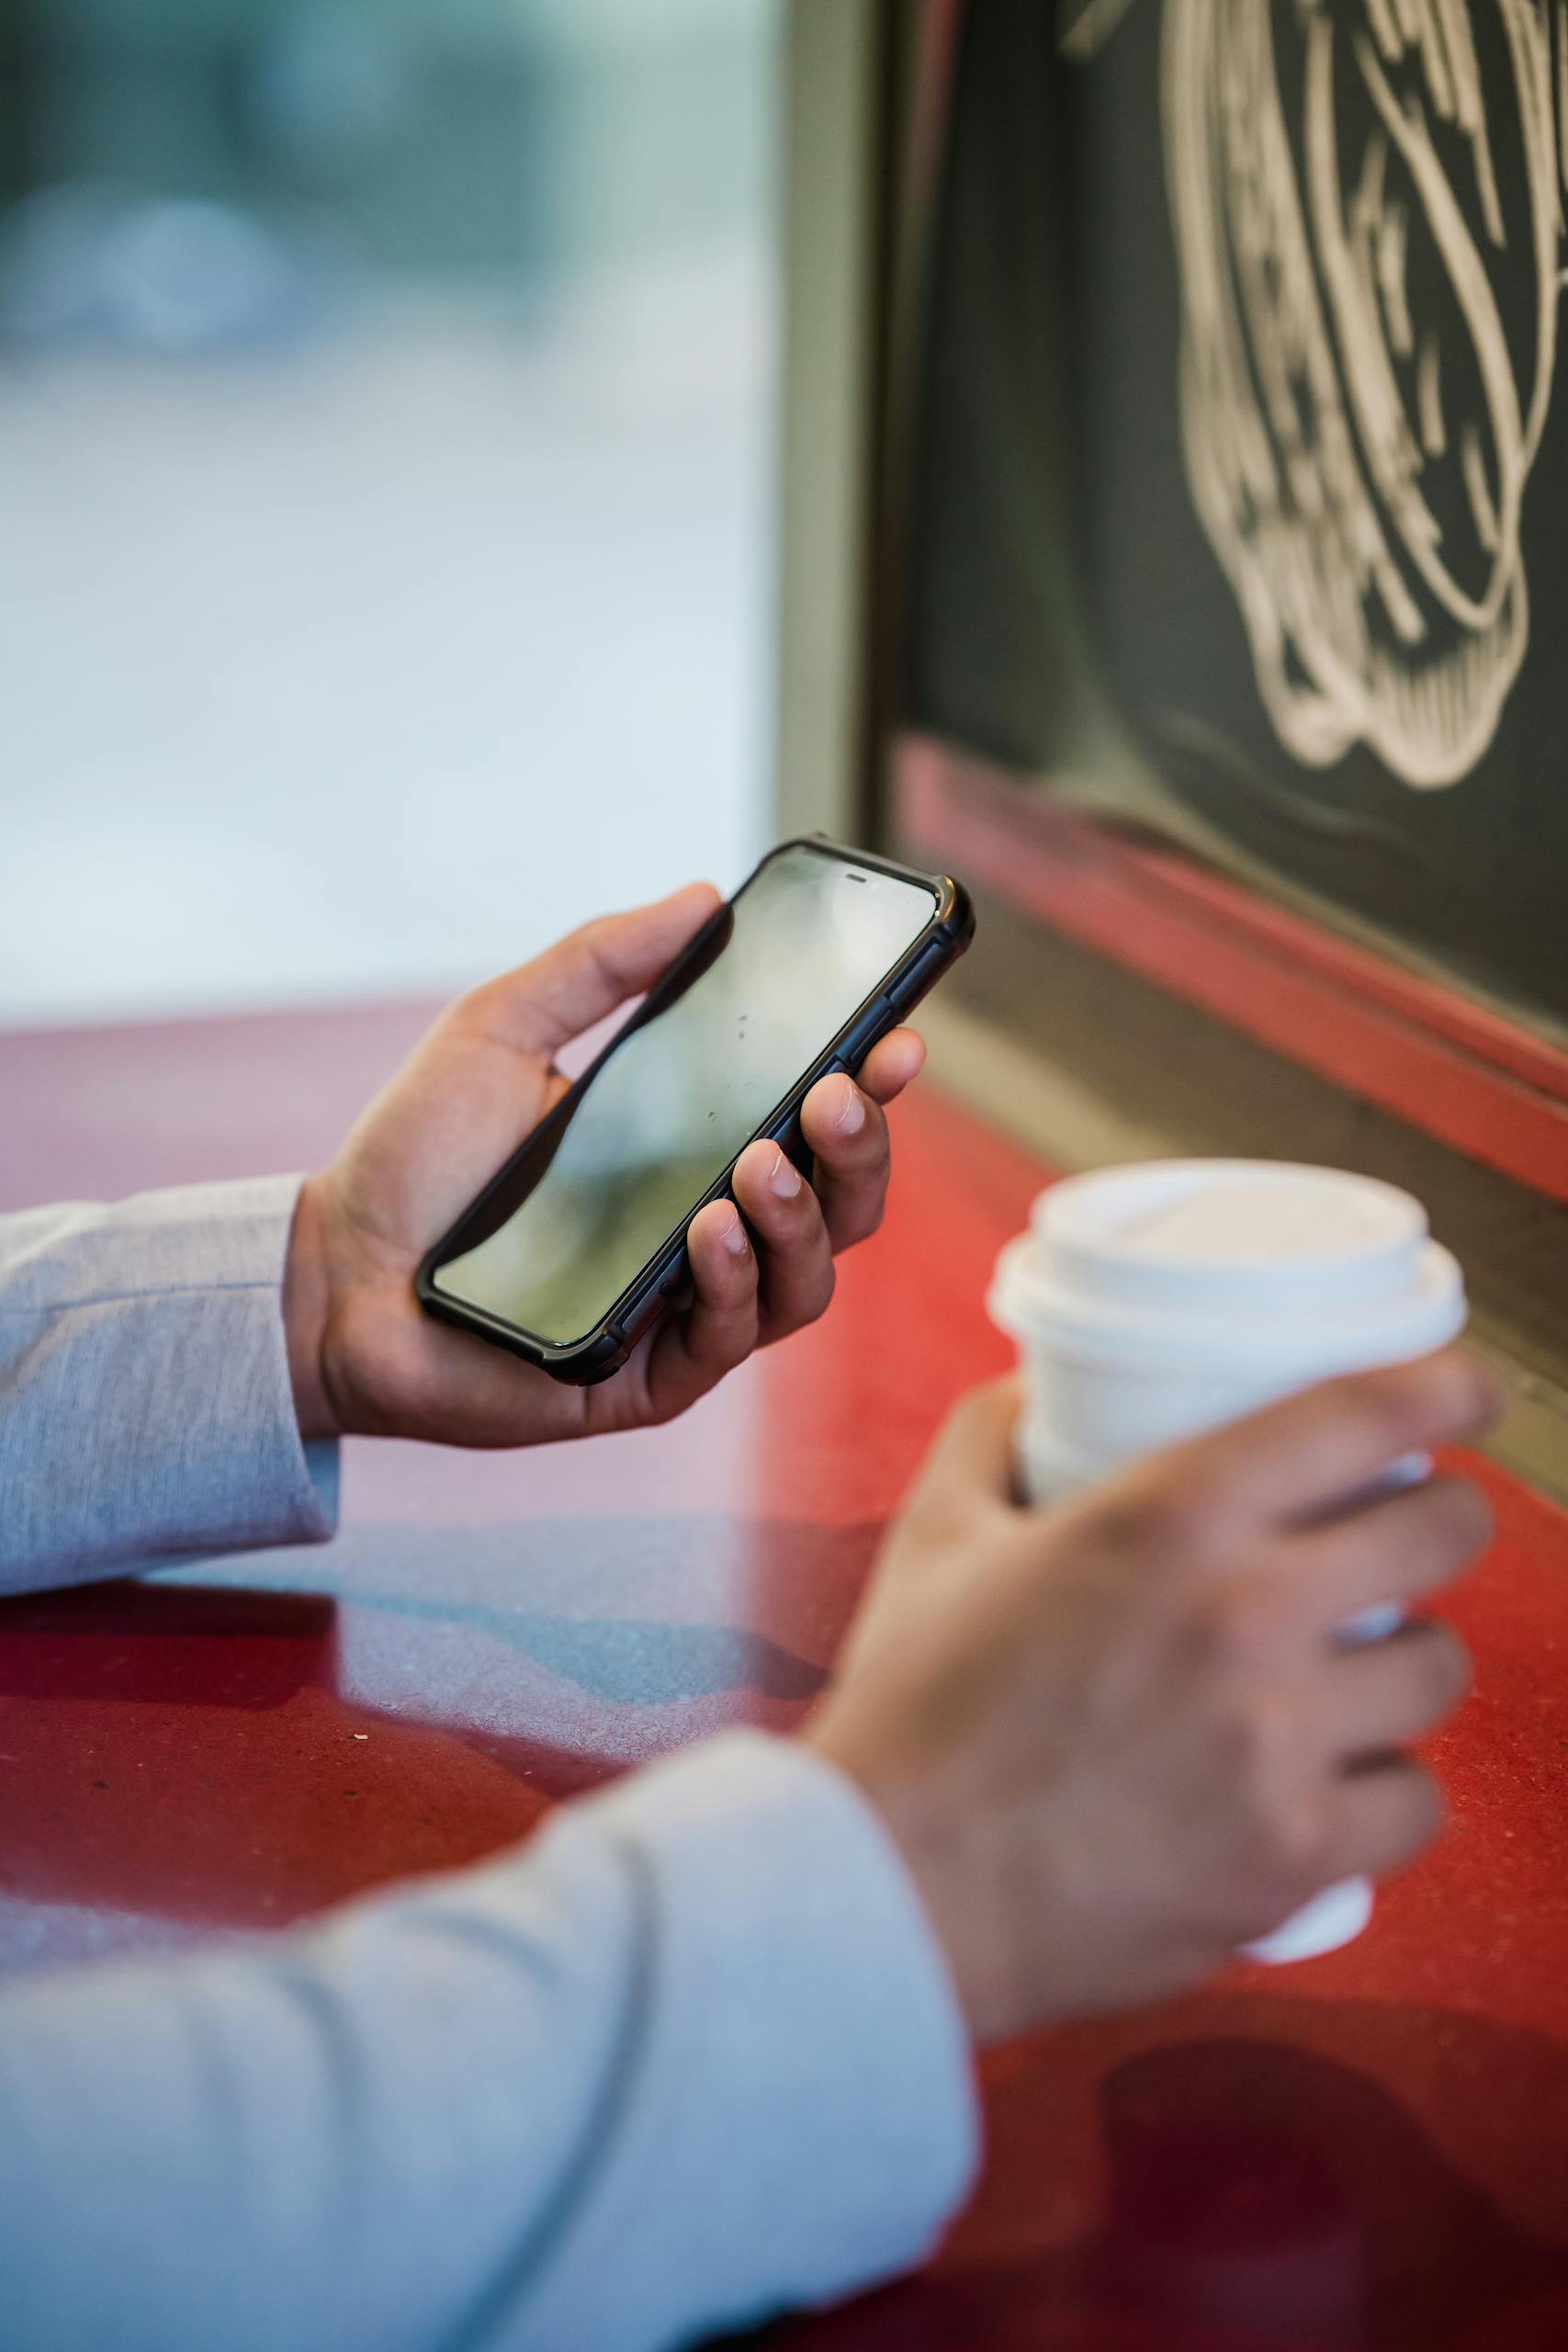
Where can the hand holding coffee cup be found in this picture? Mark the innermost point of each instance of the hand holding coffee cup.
(1155, 1302)
(1116, 1740)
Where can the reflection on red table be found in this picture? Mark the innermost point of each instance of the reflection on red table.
(1368, 2151)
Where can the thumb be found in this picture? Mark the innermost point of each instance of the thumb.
(543, 1004)
(971, 1461)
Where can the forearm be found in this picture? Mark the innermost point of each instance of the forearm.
(690, 2057)
(147, 1408)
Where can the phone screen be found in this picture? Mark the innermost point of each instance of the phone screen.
(802, 947)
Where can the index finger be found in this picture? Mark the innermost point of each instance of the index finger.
(1296, 1461)
(892, 1064)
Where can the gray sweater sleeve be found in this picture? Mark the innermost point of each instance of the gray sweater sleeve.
(145, 1407)
(689, 2058)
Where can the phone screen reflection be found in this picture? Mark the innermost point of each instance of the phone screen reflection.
(804, 945)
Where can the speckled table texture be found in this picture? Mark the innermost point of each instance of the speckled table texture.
(1368, 2151)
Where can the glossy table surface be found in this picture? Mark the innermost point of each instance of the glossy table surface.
(1371, 2150)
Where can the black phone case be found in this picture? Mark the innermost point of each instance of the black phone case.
(606, 1347)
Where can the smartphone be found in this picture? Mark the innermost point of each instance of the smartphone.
(577, 1246)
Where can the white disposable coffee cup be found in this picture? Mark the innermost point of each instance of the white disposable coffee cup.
(1152, 1303)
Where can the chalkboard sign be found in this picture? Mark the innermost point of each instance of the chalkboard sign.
(1247, 312)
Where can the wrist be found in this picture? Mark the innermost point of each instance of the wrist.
(957, 1877)
(306, 1301)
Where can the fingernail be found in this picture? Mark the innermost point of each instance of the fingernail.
(733, 1236)
(850, 1118)
(784, 1179)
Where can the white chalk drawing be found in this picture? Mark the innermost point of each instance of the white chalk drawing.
(1091, 22)
(1361, 404)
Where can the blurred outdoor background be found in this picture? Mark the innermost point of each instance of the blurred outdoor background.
(386, 484)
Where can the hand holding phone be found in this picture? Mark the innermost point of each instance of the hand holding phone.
(362, 1355)
(576, 1246)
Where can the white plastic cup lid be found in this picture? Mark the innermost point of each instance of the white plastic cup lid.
(1202, 1231)
(1210, 1263)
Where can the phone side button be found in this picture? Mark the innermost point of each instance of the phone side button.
(918, 979)
(647, 1315)
(860, 1039)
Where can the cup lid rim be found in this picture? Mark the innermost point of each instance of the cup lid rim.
(1071, 1218)
(1426, 1314)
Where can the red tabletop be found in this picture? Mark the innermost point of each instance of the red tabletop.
(1371, 2150)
